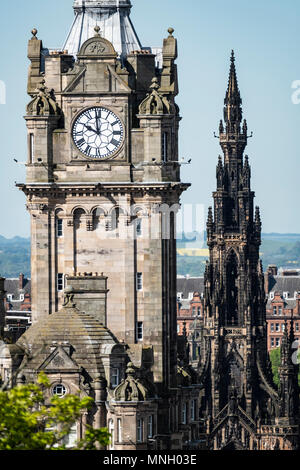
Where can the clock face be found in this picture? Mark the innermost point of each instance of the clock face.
(98, 132)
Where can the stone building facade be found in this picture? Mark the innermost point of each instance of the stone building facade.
(103, 188)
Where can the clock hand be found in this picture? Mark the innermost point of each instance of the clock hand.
(89, 128)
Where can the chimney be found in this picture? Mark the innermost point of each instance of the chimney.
(89, 294)
(21, 281)
(271, 271)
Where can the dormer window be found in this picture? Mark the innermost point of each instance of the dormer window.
(271, 295)
(21, 297)
(285, 295)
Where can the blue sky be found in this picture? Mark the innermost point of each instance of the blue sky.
(265, 35)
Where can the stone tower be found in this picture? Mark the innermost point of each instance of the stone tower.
(103, 172)
(238, 392)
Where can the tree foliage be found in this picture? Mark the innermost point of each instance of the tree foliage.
(27, 423)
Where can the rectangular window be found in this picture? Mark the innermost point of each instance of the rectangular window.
(272, 343)
(119, 424)
(277, 327)
(139, 281)
(199, 311)
(183, 413)
(60, 282)
(272, 327)
(194, 311)
(279, 310)
(138, 227)
(277, 342)
(193, 410)
(140, 430)
(150, 426)
(274, 310)
(139, 331)
(59, 228)
(283, 327)
(31, 147)
(297, 326)
(164, 151)
(115, 377)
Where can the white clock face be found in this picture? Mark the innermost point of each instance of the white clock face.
(98, 132)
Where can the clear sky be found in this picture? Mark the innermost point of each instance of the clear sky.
(265, 35)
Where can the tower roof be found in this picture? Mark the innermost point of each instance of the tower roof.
(113, 18)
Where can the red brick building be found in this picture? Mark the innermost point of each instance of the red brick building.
(283, 302)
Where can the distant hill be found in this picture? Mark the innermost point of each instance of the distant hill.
(14, 256)
(277, 248)
(282, 249)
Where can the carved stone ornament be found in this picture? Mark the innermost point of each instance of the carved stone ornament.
(44, 103)
(97, 47)
(155, 102)
(131, 388)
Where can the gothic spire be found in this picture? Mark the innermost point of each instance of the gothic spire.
(233, 101)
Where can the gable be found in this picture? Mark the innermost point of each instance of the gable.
(59, 360)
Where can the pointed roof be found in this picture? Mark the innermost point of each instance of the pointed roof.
(113, 18)
(233, 101)
(233, 93)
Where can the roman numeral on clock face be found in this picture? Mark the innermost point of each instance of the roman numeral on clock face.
(80, 142)
(98, 132)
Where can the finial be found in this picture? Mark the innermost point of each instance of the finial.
(171, 31)
(97, 30)
(34, 33)
(154, 84)
(232, 56)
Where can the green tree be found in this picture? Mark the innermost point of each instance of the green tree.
(275, 361)
(26, 423)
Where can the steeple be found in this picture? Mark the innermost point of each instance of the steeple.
(113, 18)
(233, 101)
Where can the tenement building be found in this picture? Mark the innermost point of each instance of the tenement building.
(103, 187)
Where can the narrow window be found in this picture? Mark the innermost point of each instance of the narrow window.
(193, 410)
(150, 426)
(183, 413)
(112, 434)
(60, 282)
(272, 327)
(277, 342)
(164, 147)
(138, 227)
(119, 423)
(140, 430)
(199, 311)
(279, 310)
(272, 343)
(274, 310)
(139, 331)
(115, 377)
(139, 281)
(59, 227)
(277, 327)
(31, 147)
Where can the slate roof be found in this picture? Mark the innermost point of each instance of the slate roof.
(191, 284)
(82, 331)
(282, 284)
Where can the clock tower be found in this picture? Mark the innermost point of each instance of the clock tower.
(103, 182)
